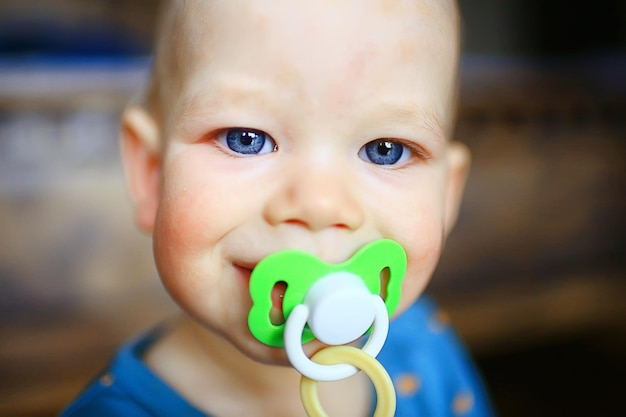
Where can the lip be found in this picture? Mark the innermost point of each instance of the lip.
(244, 271)
(277, 294)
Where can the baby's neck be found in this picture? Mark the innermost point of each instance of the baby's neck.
(218, 379)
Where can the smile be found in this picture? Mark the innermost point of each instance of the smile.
(276, 313)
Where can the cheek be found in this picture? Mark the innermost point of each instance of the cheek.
(181, 229)
(198, 205)
(195, 212)
(420, 232)
(422, 255)
(179, 246)
(417, 223)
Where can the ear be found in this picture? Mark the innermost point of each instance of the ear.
(140, 146)
(458, 168)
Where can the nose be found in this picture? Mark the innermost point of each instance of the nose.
(316, 198)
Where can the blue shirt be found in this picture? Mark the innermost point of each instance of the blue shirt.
(431, 371)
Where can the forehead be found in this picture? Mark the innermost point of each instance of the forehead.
(198, 19)
(201, 26)
(317, 46)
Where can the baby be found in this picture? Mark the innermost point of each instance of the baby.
(290, 124)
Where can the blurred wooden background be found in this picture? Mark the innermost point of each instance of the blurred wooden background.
(533, 276)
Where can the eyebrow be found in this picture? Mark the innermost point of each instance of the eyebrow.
(417, 117)
(196, 107)
(198, 102)
(199, 105)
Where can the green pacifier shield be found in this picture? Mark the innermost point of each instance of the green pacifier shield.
(300, 270)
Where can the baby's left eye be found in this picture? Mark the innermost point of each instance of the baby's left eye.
(384, 152)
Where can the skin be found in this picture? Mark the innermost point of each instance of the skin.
(322, 79)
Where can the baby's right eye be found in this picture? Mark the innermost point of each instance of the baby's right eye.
(247, 142)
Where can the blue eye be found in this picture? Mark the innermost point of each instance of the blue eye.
(247, 141)
(384, 152)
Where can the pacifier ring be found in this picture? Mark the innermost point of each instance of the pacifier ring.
(317, 371)
(386, 397)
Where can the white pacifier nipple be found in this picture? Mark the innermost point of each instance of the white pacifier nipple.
(338, 309)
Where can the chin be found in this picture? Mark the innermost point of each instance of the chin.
(268, 355)
(247, 345)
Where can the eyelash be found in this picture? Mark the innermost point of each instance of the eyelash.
(233, 137)
(415, 150)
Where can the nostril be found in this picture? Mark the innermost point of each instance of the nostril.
(296, 222)
(384, 282)
(311, 225)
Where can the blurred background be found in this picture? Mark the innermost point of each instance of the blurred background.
(533, 276)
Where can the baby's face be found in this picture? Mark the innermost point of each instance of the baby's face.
(316, 125)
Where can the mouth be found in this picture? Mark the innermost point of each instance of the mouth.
(276, 314)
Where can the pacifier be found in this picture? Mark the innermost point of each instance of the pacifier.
(336, 304)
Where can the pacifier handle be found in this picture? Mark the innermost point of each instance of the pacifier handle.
(383, 386)
(336, 292)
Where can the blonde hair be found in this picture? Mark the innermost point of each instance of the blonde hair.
(168, 62)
